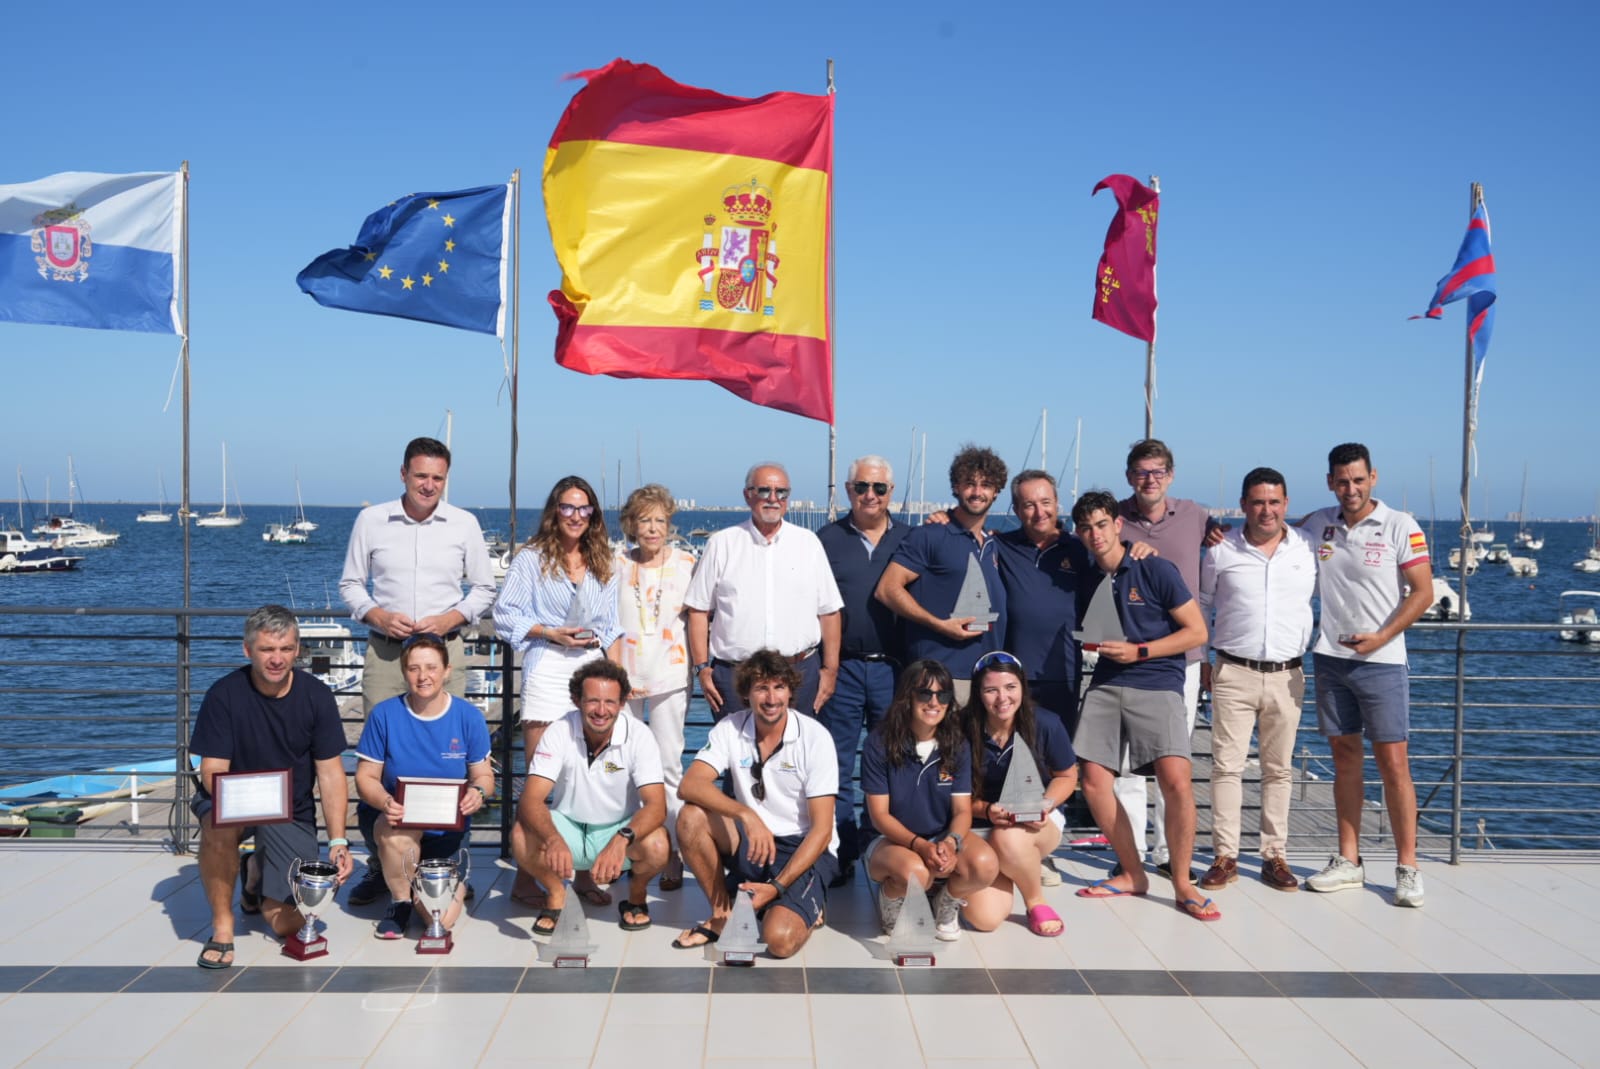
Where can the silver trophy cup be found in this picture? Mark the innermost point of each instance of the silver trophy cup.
(434, 884)
(311, 883)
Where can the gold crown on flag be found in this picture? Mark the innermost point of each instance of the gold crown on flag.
(751, 206)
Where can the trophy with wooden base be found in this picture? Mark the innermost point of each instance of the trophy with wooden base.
(973, 600)
(569, 946)
(912, 940)
(311, 883)
(741, 939)
(1022, 794)
(434, 884)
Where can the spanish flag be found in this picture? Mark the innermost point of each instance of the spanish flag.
(692, 232)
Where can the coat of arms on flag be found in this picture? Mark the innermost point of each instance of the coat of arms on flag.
(61, 244)
(739, 262)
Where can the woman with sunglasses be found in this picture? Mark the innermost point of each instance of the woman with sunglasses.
(653, 578)
(916, 771)
(565, 572)
(998, 713)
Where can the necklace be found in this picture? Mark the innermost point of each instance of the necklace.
(647, 625)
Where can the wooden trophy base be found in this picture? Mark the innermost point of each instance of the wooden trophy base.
(294, 948)
(572, 961)
(436, 944)
(744, 959)
(914, 960)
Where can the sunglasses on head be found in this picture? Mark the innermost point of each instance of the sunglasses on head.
(421, 636)
(581, 511)
(928, 694)
(758, 789)
(989, 660)
(880, 489)
(768, 493)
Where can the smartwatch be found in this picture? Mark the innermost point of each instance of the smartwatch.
(1144, 652)
(627, 833)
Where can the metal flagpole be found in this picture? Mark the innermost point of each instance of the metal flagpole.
(833, 430)
(181, 801)
(1469, 419)
(516, 312)
(1150, 348)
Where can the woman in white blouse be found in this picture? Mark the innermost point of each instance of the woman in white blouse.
(652, 579)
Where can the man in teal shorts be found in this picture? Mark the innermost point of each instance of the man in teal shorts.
(594, 801)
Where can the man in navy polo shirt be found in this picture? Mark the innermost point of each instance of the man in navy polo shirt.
(859, 545)
(1135, 700)
(1039, 570)
(924, 577)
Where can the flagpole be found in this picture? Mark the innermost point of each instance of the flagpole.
(1468, 547)
(1150, 347)
(833, 347)
(516, 313)
(181, 783)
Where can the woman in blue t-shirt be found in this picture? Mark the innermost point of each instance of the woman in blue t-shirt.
(916, 772)
(998, 713)
(425, 733)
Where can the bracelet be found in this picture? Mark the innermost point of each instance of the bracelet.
(780, 885)
(481, 792)
(339, 842)
(912, 845)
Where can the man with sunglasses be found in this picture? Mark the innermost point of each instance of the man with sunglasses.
(859, 545)
(764, 584)
(924, 578)
(413, 552)
(1176, 528)
(771, 833)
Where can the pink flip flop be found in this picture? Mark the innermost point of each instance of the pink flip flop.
(1195, 908)
(1039, 916)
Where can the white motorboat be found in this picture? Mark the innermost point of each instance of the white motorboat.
(1526, 567)
(221, 517)
(19, 555)
(1472, 560)
(1587, 564)
(1579, 619)
(158, 514)
(68, 530)
(1498, 553)
(1447, 603)
(328, 652)
(284, 534)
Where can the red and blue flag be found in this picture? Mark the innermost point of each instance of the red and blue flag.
(1471, 277)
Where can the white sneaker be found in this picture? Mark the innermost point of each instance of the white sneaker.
(1048, 874)
(1338, 875)
(1407, 886)
(947, 915)
(889, 912)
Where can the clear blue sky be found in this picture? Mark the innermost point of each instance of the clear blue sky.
(1314, 165)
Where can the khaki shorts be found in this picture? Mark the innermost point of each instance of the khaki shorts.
(1150, 723)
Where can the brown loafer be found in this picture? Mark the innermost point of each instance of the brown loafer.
(1223, 871)
(1276, 875)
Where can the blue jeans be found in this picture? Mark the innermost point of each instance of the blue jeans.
(860, 700)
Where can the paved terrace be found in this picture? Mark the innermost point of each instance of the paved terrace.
(1501, 968)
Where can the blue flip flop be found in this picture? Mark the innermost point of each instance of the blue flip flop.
(1103, 889)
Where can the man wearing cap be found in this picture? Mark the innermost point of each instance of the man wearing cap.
(594, 800)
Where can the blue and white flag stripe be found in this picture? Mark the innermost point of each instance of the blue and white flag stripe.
(81, 249)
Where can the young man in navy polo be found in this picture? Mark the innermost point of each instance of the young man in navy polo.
(1135, 699)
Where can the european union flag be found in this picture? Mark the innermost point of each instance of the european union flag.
(1472, 277)
(437, 257)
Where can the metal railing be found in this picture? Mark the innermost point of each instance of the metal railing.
(1505, 737)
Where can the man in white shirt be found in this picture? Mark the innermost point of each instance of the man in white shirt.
(1255, 590)
(764, 585)
(1374, 581)
(594, 801)
(414, 552)
(772, 834)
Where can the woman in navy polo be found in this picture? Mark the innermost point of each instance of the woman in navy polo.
(916, 772)
(999, 712)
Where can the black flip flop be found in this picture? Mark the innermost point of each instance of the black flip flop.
(214, 947)
(551, 915)
(624, 908)
(699, 929)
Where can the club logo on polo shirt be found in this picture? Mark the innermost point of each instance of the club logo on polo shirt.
(612, 766)
(1325, 551)
(1327, 533)
(1134, 597)
(946, 779)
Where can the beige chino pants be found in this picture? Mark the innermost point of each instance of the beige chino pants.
(1241, 699)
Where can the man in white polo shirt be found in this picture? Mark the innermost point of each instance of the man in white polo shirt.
(1374, 581)
(773, 835)
(1255, 590)
(594, 800)
(764, 585)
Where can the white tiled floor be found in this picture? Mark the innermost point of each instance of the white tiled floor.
(90, 906)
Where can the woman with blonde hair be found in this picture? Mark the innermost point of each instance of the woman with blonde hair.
(652, 579)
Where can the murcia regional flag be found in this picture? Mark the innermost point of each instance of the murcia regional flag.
(692, 233)
(92, 250)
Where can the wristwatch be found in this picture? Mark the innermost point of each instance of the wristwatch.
(1144, 653)
(696, 669)
(627, 833)
(957, 838)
